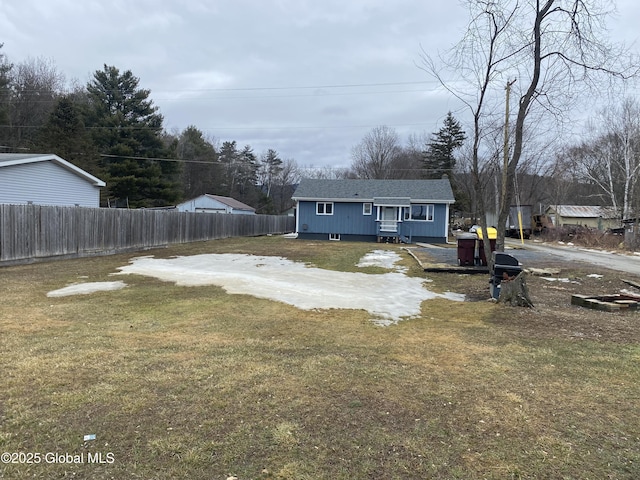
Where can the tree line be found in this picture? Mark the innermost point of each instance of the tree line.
(111, 128)
(547, 57)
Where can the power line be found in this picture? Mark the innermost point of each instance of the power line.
(298, 95)
(254, 97)
(259, 127)
(258, 88)
(306, 87)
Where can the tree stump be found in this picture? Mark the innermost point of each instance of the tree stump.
(514, 291)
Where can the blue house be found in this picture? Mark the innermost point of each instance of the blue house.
(374, 210)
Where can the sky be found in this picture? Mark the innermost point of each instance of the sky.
(308, 78)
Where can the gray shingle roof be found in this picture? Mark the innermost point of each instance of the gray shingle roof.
(366, 190)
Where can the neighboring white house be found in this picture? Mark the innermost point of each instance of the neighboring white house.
(46, 179)
(215, 204)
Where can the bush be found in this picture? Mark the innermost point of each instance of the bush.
(585, 237)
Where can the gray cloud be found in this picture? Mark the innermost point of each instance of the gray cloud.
(308, 78)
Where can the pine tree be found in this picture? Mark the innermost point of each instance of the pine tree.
(200, 174)
(230, 161)
(65, 135)
(247, 173)
(127, 129)
(270, 168)
(439, 157)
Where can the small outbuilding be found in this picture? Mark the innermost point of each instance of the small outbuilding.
(215, 204)
(589, 216)
(46, 179)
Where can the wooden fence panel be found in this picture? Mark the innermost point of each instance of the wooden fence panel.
(34, 231)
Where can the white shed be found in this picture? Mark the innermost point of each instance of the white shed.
(46, 179)
(215, 204)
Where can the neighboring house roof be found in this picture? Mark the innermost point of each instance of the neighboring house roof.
(384, 192)
(231, 202)
(9, 159)
(228, 201)
(583, 211)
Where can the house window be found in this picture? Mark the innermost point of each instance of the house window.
(366, 209)
(334, 236)
(324, 208)
(422, 212)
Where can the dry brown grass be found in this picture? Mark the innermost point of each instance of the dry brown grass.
(190, 382)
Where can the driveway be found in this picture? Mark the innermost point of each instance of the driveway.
(539, 252)
(534, 254)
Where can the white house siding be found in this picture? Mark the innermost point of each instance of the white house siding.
(46, 183)
(205, 204)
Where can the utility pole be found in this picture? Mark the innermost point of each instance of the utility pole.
(505, 167)
(506, 141)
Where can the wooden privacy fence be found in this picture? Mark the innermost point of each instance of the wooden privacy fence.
(37, 231)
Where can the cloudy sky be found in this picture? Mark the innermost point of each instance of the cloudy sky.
(308, 78)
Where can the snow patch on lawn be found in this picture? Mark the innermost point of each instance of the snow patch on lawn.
(86, 288)
(388, 297)
(561, 280)
(381, 258)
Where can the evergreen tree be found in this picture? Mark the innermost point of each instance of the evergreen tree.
(200, 173)
(230, 161)
(439, 157)
(270, 168)
(240, 173)
(65, 135)
(127, 129)
(247, 174)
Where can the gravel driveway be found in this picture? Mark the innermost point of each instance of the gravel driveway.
(534, 254)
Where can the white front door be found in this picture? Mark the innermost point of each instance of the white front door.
(389, 219)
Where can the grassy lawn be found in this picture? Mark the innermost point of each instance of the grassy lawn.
(190, 382)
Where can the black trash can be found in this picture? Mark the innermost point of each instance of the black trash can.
(466, 249)
(502, 263)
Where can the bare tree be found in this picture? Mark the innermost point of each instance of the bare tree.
(375, 157)
(552, 48)
(326, 173)
(612, 159)
(35, 86)
(5, 70)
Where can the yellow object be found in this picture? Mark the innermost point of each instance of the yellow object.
(520, 224)
(492, 233)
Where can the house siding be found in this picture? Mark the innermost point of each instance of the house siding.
(421, 231)
(210, 205)
(349, 222)
(347, 219)
(45, 183)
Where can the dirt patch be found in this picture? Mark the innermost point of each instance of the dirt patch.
(553, 315)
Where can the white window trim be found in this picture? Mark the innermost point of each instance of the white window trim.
(430, 209)
(334, 237)
(364, 208)
(324, 209)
